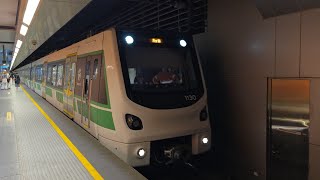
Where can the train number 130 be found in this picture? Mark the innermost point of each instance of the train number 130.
(190, 97)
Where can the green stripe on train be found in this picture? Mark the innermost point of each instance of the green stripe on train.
(38, 87)
(59, 96)
(49, 91)
(101, 117)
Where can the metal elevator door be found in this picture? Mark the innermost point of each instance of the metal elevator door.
(288, 123)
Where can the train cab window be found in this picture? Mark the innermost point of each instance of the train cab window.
(54, 75)
(95, 69)
(60, 75)
(160, 68)
(161, 75)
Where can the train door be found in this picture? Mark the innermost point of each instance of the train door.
(44, 79)
(91, 87)
(68, 88)
(87, 93)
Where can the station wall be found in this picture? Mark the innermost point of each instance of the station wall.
(240, 50)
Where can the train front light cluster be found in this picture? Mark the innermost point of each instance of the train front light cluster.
(134, 122)
(141, 153)
(204, 140)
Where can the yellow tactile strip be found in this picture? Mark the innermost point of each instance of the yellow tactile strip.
(93, 172)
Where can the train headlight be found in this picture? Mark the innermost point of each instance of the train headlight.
(183, 43)
(134, 122)
(203, 114)
(129, 39)
(204, 140)
(141, 153)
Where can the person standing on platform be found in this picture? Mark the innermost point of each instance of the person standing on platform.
(4, 84)
(9, 81)
(17, 81)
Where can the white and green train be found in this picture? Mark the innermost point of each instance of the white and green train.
(141, 94)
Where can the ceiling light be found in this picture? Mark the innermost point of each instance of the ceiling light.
(129, 39)
(23, 30)
(30, 10)
(16, 50)
(183, 43)
(19, 43)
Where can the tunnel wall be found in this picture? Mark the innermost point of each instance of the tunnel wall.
(240, 51)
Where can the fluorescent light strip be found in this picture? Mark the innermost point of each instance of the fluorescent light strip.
(16, 50)
(13, 59)
(23, 30)
(19, 43)
(30, 10)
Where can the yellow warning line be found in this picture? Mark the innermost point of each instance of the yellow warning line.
(8, 116)
(94, 173)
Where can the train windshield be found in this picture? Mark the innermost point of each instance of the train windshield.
(161, 69)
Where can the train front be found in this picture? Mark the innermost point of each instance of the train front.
(166, 110)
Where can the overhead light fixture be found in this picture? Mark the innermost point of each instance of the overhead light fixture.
(13, 59)
(183, 43)
(30, 10)
(23, 30)
(129, 39)
(19, 43)
(16, 50)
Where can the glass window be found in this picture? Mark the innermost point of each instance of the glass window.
(160, 69)
(72, 71)
(54, 75)
(60, 75)
(49, 74)
(39, 74)
(95, 69)
(87, 80)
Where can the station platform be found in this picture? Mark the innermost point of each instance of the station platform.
(37, 141)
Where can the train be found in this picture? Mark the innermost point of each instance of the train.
(140, 93)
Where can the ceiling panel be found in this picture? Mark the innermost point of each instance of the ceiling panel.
(175, 15)
(271, 8)
(7, 36)
(8, 21)
(8, 12)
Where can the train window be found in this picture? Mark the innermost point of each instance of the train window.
(87, 80)
(32, 70)
(49, 74)
(160, 68)
(95, 69)
(54, 75)
(60, 75)
(39, 74)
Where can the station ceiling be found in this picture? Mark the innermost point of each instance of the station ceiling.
(58, 24)
(8, 22)
(98, 15)
(272, 8)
